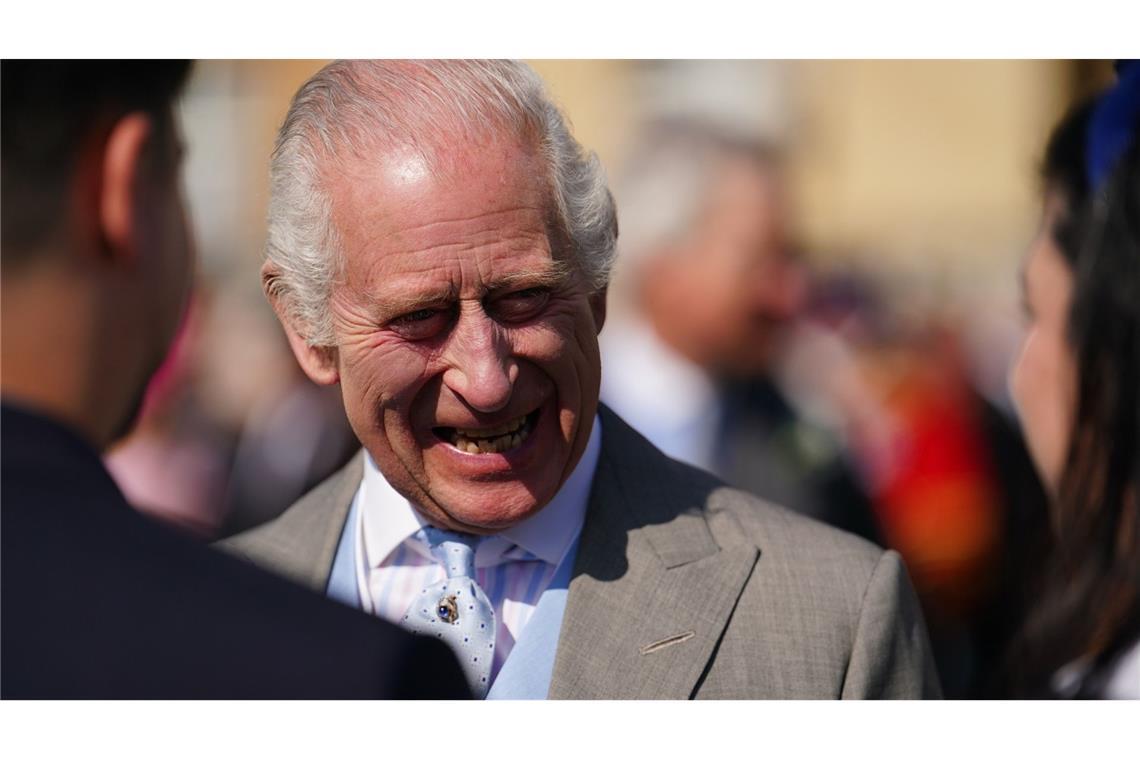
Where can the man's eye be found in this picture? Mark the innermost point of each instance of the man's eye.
(416, 316)
(420, 324)
(521, 304)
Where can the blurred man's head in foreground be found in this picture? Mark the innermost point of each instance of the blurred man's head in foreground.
(96, 252)
(705, 246)
(439, 245)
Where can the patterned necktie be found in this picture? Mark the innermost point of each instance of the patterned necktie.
(455, 609)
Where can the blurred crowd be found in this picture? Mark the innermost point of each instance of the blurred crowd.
(840, 391)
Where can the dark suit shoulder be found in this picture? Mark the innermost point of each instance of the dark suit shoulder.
(101, 602)
(162, 617)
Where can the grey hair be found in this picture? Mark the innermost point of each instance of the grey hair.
(350, 109)
(666, 182)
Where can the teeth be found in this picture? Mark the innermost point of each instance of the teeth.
(493, 440)
(495, 432)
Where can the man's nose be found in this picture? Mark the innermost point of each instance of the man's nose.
(481, 370)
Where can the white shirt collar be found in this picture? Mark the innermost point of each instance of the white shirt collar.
(388, 519)
(675, 392)
(676, 406)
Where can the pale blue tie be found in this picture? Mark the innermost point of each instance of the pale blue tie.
(455, 609)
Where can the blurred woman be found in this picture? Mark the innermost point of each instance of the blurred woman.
(1077, 388)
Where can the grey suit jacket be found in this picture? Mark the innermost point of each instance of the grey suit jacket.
(686, 588)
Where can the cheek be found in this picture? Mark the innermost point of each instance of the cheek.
(1021, 374)
(1041, 383)
(1041, 378)
(563, 335)
(565, 348)
(379, 380)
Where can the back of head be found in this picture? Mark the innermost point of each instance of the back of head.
(353, 112)
(97, 256)
(52, 110)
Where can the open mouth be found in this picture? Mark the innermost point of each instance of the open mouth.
(490, 440)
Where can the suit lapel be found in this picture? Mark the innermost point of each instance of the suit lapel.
(319, 536)
(652, 590)
(302, 542)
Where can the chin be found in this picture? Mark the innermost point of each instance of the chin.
(487, 509)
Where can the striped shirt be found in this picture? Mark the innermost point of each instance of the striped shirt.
(513, 567)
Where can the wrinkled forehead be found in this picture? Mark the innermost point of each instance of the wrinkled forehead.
(398, 179)
(442, 137)
(399, 202)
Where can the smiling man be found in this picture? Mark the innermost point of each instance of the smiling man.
(455, 328)
(439, 246)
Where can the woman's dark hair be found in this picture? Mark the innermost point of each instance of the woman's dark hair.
(1063, 172)
(1089, 612)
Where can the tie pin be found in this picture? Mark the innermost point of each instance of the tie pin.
(447, 610)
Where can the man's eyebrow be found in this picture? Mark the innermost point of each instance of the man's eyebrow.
(554, 275)
(390, 306)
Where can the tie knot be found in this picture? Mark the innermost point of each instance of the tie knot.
(456, 551)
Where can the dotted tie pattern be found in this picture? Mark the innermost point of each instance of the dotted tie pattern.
(456, 610)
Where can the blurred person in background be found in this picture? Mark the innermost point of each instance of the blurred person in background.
(1077, 388)
(97, 600)
(707, 354)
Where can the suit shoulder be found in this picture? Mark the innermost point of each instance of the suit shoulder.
(734, 515)
(787, 533)
(295, 543)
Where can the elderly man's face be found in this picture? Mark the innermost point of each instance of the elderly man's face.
(466, 338)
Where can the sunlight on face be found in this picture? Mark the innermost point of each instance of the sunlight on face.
(466, 341)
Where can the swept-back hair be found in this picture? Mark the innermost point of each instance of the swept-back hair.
(351, 110)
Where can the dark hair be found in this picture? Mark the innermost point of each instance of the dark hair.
(1090, 605)
(1063, 171)
(50, 109)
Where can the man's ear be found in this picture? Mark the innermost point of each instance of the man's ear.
(598, 307)
(120, 182)
(318, 362)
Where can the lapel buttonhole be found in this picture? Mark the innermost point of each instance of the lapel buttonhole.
(668, 641)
